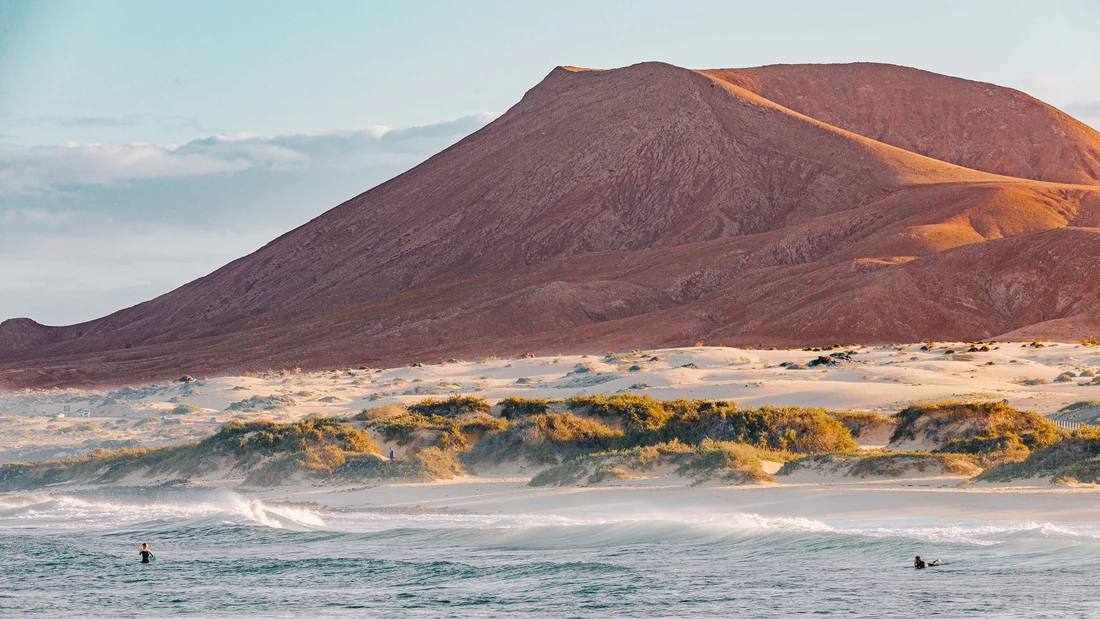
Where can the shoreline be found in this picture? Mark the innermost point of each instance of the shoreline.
(941, 498)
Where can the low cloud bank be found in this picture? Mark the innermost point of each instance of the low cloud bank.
(39, 170)
(86, 229)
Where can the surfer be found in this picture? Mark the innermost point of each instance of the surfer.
(147, 555)
(920, 563)
(391, 454)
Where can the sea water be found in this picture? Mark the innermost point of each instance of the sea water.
(220, 554)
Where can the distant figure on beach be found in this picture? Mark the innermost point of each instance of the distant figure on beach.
(147, 555)
(391, 454)
(920, 563)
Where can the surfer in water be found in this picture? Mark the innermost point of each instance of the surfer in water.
(147, 555)
(920, 563)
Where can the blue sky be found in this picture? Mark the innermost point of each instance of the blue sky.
(143, 144)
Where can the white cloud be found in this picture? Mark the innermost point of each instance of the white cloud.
(87, 229)
(43, 169)
(39, 169)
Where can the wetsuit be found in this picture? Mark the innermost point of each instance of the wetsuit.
(146, 555)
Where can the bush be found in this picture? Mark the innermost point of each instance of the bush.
(453, 406)
(725, 460)
(451, 433)
(434, 463)
(546, 438)
(569, 428)
(634, 411)
(960, 422)
(1074, 458)
(992, 432)
(879, 463)
(429, 464)
(265, 452)
(268, 438)
(515, 407)
(712, 459)
(184, 409)
(787, 428)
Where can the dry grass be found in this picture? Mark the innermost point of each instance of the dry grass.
(1075, 458)
(711, 460)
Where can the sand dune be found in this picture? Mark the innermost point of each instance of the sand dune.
(881, 379)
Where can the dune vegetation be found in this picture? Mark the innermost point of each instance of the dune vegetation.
(262, 453)
(992, 432)
(1074, 458)
(727, 462)
(882, 463)
(601, 438)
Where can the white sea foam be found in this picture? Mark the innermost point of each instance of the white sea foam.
(59, 512)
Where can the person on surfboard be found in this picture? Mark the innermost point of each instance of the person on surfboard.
(147, 555)
(920, 563)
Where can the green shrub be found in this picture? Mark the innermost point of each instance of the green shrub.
(434, 463)
(634, 411)
(970, 426)
(1074, 458)
(515, 407)
(879, 463)
(570, 428)
(731, 462)
(454, 406)
(429, 464)
(787, 428)
(264, 451)
(545, 438)
(725, 460)
(452, 433)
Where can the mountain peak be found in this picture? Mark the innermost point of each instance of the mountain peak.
(654, 205)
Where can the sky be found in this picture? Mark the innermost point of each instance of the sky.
(147, 143)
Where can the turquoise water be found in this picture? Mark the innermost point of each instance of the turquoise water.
(223, 555)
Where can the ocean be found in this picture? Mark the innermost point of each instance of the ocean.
(224, 555)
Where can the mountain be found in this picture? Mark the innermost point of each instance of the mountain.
(653, 205)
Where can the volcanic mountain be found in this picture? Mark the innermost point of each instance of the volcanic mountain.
(652, 205)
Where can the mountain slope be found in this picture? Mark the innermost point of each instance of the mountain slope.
(972, 124)
(647, 205)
